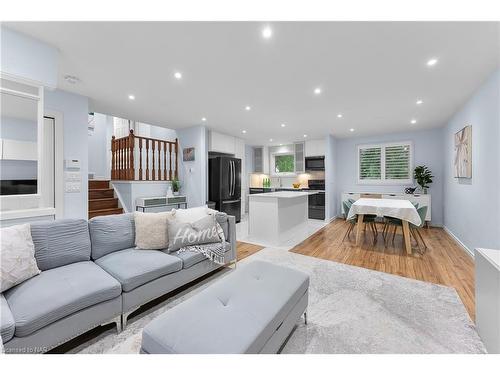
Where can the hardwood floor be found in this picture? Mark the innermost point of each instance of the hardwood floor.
(444, 262)
(246, 249)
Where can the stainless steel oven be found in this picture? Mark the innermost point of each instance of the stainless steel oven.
(317, 201)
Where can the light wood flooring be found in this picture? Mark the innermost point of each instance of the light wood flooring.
(246, 249)
(445, 261)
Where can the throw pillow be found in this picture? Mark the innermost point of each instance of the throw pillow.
(151, 230)
(17, 256)
(205, 230)
(190, 215)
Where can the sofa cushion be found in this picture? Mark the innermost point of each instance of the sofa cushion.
(190, 258)
(190, 215)
(151, 231)
(60, 242)
(251, 302)
(7, 324)
(57, 293)
(111, 233)
(203, 231)
(17, 256)
(133, 267)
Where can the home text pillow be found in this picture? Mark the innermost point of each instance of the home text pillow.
(203, 231)
(17, 256)
(151, 230)
(190, 215)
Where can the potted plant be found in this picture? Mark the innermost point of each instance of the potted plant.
(423, 176)
(176, 186)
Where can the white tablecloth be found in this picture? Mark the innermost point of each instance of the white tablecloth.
(399, 208)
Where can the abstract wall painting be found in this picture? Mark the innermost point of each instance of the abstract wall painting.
(463, 153)
(188, 154)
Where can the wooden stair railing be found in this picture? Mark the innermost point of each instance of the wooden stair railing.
(124, 160)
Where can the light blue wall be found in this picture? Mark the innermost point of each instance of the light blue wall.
(428, 150)
(331, 182)
(99, 145)
(193, 174)
(26, 57)
(472, 206)
(74, 109)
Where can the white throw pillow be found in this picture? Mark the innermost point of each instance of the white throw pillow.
(191, 215)
(17, 256)
(151, 230)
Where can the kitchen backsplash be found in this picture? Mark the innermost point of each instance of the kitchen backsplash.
(255, 180)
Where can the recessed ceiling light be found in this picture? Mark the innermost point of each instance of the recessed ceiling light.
(340, 115)
(419, 101)
(305, 135)
(203, 119)
(281, 144)
(283, 125)
(267, 32)
(432, 62)
(351, 130)
(270, 139)
(248, 108)
(71, 79)
(413, 121)
(244, 131)
(131, 97)
(178, 75)
(317, 90)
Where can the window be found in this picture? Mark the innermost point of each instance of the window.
(30, 153)
(389, 163)
(284, 163)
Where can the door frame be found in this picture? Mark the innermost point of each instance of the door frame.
(58, 160)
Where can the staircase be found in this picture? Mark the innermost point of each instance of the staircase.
(102, 200)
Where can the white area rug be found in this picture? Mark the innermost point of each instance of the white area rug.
(351, 310)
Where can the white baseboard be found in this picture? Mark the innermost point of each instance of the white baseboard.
(467, 250)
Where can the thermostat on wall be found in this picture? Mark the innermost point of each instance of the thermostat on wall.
(72, 164)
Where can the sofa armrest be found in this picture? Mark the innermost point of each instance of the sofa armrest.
(231, 221)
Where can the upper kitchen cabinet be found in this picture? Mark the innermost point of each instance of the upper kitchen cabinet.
(299, 157)
(315, 147)
(223, 143)
(260, 160)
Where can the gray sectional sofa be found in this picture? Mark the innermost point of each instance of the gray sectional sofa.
(92, 275)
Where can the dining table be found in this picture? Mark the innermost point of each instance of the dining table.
(397, 208)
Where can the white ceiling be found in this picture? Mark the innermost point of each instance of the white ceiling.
(371, 72)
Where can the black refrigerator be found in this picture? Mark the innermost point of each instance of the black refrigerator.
(224, 185)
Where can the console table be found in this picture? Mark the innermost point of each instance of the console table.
(155, 202)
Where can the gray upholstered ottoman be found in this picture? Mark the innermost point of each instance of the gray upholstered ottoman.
(251, 310)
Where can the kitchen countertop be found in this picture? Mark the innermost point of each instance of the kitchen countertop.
(284, 194)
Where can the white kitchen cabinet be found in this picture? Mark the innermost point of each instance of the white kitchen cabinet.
(421, 199)
(260, 160)
(315, 147)
(218, 142)
(487, 264)
(300, 162)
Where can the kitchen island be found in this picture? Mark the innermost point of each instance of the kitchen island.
(274, 218)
